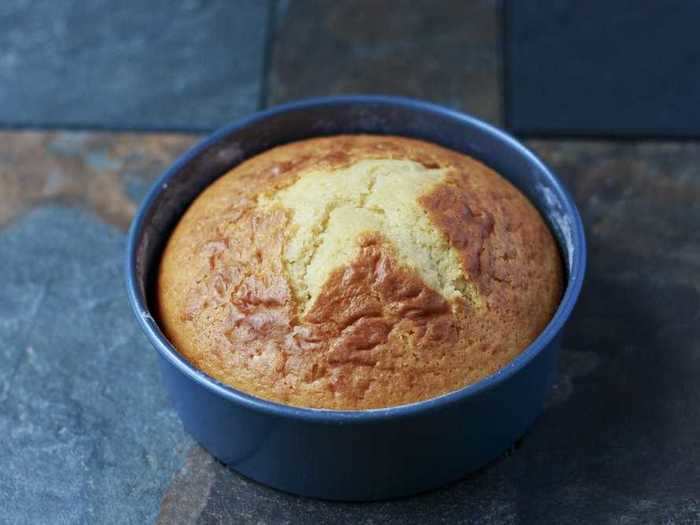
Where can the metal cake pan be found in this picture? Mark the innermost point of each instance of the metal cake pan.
(368, 454)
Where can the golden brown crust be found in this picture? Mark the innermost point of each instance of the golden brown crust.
(377, 335)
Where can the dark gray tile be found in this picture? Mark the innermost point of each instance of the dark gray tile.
(191, 64)
(87, 434)
(446, 52)
(601, 68)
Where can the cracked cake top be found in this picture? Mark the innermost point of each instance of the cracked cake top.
(357, 271)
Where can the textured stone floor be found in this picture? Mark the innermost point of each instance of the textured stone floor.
(89, 436)
(191, 64)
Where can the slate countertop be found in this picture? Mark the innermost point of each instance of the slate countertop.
(89, 436)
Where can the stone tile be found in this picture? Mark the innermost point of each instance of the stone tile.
(619, 440)
(107, 173)
(447, 52)
(640, 201)
(87, 432)
(189, 491)
(130, 64)
(623, 68)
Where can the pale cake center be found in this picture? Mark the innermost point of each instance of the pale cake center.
(331, 209)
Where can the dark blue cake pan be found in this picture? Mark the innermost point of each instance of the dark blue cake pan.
(369, 454)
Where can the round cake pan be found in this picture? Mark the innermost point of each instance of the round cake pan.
(368, 454)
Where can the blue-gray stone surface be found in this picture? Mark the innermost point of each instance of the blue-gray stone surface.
(87, 433)
(130, 64)
(622, 68)
(446, 52)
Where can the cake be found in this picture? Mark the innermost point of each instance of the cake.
(357, 271)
